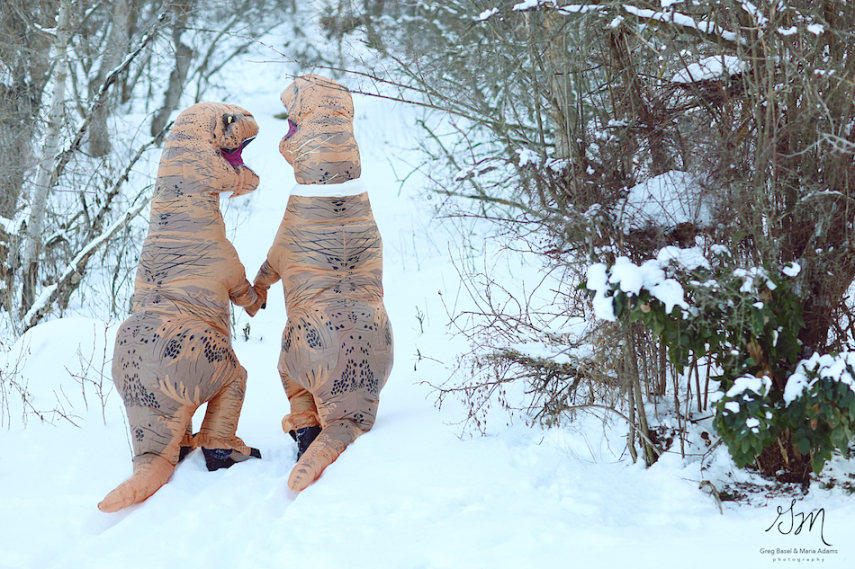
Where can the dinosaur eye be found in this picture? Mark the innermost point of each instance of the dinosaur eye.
(228, 119)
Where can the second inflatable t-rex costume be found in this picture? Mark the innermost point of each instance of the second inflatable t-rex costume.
(174, 353)
(337, 345)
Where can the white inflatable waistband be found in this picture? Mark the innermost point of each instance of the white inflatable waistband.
(349, 188)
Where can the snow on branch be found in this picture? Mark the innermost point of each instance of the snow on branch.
(754, 12)
(74, 271)
(566, 9)
(486, 14)
(707, 29)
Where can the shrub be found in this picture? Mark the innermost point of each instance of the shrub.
(819, 406)
(747, 321)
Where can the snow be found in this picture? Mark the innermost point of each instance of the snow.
(719, 250)
(715, 67)
(627, 275)
(792, 269)
(616, 22)
(691, 258)
(527, 5)
(413, 492)
(650, 275)
(825, 366)
(750, 277)
(816, 29)
(756, 14)
(666, 200)
(580, 8)
(597, 280)
(670, 293)
(528, 157)
(685, 21)
(486, 14)
(758, 385)
(632, 278)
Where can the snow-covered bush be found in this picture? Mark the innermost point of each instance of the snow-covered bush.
(817, 410)
(819, 406)
(771, 409)
(747, 320)
(746, 418)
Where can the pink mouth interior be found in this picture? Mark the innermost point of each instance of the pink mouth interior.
(234, 156)
(292, 128)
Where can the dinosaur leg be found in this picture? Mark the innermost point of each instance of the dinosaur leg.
(302, 423)
(186, 444)
(217, 437)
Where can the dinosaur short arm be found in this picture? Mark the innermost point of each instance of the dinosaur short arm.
(266, 277)
(243, 294)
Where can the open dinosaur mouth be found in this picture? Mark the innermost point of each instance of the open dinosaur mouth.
(292, 128)
(233, 157)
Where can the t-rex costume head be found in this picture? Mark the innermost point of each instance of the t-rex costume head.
(320, 144)
(174, 353)
(206, 133)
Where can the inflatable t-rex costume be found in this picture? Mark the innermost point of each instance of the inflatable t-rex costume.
(337, 345)
(175, 352)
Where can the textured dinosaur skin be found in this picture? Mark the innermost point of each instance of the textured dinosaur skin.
(337, 348)
(174, 353)
(320, 144)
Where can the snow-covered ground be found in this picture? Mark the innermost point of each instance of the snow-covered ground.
(412, 493)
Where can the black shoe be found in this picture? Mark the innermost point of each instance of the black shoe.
(183, 452)
(217, 458)
(304, 438)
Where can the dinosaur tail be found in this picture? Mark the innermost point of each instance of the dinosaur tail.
(323, 451)
(150, 473)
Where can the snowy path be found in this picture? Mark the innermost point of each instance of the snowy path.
(409, 494)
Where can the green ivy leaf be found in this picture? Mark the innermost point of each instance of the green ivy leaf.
(803, 444)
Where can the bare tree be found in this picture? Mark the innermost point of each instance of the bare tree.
(50, 148)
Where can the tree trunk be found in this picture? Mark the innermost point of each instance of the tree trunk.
(24, 57)
(183, 58)
(50, 148)
(117, 46)
(562, 100)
